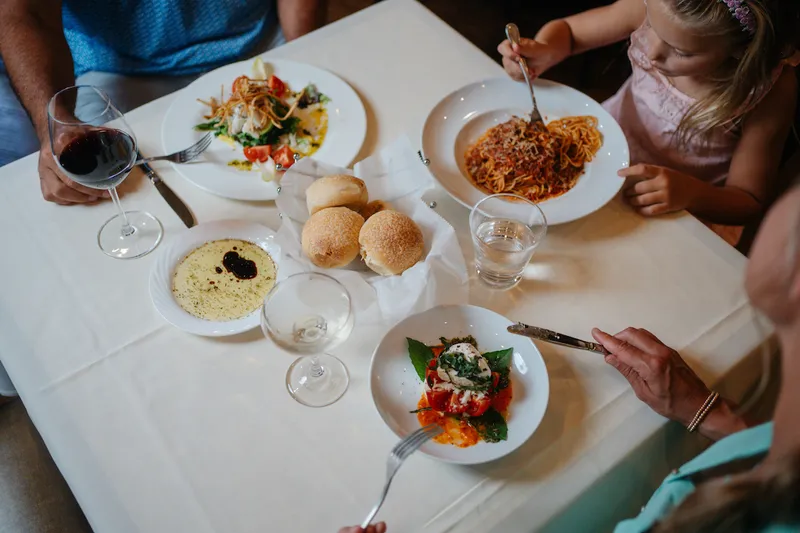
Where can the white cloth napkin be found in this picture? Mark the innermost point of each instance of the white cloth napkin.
(397, 176)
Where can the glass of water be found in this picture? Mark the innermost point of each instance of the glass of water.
(307, 314)
(506, 229)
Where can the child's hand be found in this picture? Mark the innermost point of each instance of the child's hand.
(539, 57)
(654, 190)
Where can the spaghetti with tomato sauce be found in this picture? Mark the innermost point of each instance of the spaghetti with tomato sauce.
(532, 161)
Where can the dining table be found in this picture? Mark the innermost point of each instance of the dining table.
(157, 430)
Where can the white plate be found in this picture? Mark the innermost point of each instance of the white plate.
(347, 128)
(169, 258)
(463, 116)
(396, 388)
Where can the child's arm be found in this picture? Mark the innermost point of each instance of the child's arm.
(559, 39)
(758, 154)
(655, 190)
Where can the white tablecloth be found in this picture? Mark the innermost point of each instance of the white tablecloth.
(156, 430)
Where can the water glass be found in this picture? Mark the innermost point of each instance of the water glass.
(506, 229)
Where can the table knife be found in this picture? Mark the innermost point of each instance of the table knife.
(553, 337)
(169, 196)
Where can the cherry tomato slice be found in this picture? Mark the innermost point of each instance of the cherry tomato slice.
(284, 156)
(258, 153)
(437, 400)
(477, 407)
(240, 79)
(454, 406)
(276, 85)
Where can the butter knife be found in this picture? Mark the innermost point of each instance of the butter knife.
(553, 337)
(169, 196)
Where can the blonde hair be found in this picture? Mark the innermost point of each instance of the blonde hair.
(748, 75)
(742, 503)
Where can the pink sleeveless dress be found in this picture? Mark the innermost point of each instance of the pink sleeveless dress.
(649, 109)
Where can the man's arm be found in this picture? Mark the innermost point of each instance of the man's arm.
(36, 54)
(298, 17)
(39, 64)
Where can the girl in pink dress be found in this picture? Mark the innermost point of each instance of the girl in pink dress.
(710, 103)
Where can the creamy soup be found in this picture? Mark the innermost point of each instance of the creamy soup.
(223, 280)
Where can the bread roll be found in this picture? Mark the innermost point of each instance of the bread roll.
(375, 206)
(390, 243)
(330, 237)
(339, 190)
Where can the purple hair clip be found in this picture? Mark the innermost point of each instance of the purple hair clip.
(742, 13)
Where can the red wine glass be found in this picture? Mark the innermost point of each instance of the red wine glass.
(94, 146)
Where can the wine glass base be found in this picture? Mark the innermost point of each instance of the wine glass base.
(145, 235)
(320, 384)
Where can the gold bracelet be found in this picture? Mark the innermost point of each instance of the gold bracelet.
(702, 413)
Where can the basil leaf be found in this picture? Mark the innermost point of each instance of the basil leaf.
(491, 426)
(420, 355)
(499, 360)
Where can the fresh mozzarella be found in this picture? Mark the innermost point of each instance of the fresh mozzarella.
(237, 120)
(470, 353)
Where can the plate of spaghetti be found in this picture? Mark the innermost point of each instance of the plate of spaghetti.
(458, 367)
(263, 113)
(479, 141)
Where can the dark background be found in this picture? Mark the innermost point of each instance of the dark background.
(598, 73)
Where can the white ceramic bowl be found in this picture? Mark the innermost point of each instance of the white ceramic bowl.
(464, 115)
(170, 257)
(396, 388)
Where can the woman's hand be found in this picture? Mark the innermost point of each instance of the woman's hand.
(380, 527)
(663, 380)
(654, 190)
(539, 57)
(658, 375)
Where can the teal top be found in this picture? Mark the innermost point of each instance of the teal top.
(678, 485)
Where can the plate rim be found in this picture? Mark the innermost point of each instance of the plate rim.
(537, 81)
(272, 192)
(247, 322)
(467, 462)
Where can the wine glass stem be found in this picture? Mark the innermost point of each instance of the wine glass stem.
(127, 230)
(316, 369)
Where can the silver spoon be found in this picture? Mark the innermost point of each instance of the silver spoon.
(512, 32)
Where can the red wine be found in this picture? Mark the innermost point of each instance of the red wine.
(99, 158)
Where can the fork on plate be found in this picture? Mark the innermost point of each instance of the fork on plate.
(399, 454)
(184, 156)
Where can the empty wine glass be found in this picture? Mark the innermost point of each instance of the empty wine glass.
(94, 146)
(307, 314)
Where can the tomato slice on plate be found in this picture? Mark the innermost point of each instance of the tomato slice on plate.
(276, 85)
(284, 156)
(477, 407)
(438, 399)
(454, 406)
(258, 153)
(240, 79)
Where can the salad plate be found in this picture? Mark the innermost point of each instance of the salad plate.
(398, 372)
(321, 116)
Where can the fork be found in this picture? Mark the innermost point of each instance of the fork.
(400, 453)
(184, 156)
(512, 32)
